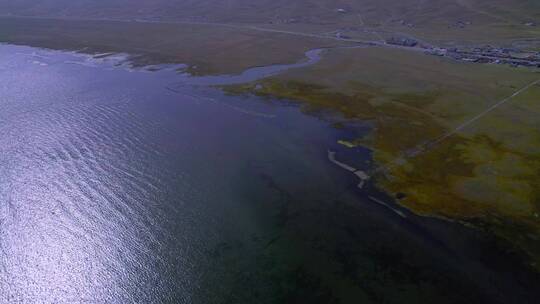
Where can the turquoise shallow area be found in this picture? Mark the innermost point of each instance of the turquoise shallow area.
(130, 186)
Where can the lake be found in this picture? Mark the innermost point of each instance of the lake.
(122, 185)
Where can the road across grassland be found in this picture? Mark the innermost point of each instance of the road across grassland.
(423, 148)
(234, 26)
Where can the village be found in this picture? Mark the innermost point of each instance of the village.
(489, 54)
(485, 54)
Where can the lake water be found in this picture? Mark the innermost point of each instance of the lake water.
(116, 189)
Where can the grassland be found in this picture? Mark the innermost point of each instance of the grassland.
(207, 49)
(442, 22)
(487, 174)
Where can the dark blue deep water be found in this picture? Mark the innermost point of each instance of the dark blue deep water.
(115, 188)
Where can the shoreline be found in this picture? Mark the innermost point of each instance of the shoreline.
(437, 243)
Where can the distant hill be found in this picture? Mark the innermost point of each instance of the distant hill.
(415, 12)
(439, 22)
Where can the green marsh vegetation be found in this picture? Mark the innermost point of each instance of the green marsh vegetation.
(486, 175)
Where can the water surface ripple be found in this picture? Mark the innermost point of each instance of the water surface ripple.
(115, 189)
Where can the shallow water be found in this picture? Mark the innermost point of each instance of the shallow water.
(116, 189)
(256, 73)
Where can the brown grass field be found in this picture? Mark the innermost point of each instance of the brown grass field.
(207, 49)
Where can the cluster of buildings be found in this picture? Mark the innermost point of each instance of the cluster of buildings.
(402, 41)
(485, 54)
(489, 54)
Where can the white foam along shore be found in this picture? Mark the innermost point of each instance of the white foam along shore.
(363, 176)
